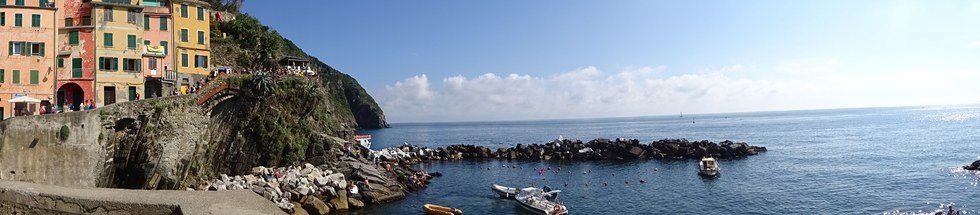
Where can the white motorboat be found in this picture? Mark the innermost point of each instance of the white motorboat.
(504, 192)
(535, 200)
(708, 167)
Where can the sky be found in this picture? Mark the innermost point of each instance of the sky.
(427, 61)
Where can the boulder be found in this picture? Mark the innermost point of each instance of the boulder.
(340, 202)
(298, 210)
(355, 204)
(315, 206)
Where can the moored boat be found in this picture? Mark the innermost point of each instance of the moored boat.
(504, 192)
(441, 210)
(535, 201)
(708, 167)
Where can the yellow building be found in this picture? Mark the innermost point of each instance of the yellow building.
(118, 50)
(192, 52)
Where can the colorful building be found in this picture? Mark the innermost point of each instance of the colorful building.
(76, 62)
(192, 51)
(118, 50)
(159, 73)
(27, 39)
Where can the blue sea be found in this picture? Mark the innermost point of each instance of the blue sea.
(845, 161)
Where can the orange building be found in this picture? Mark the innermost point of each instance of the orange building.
(27, 73)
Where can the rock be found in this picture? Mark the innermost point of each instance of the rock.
(321, 181)
(285, 205)
(259, 170)
(303, 190)
(315, 206)
(225, 178)
(974, 166)
(298, 210)
(355, 204)
(340, 202)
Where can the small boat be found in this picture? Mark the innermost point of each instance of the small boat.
(709, 167)
(364, 140)
(535, 200)
(441, 210)
(504, 192)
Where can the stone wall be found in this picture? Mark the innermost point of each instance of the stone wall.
(30, 149)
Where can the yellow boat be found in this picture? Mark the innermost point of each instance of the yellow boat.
(441, 210)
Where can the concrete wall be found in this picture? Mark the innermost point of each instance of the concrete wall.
(30, 149)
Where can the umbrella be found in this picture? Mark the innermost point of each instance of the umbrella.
(26, 99)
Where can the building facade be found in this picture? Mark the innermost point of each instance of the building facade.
(159, 73)
(27, 39)
(118, 50)
(192, 52)
(76, 54)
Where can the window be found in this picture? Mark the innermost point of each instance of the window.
(34, 78)
(183, 35)
(183, 60)
(152, 3)
(61, 63)
(107, 14)
(3, 2)
(146, 42)
(152, 64)
(165, 49)
(69, 22)
(16, 77)
(107, 39)
(146, 23)
(3, 75)
(19, 2)
(200, 13)
(36, 20)
(131, 41)
(73, 38)
(200, 37)
(132, 93)
(131, 65)
(42, 3)
(18, 48)
(3, 19)
(76, 67)
(200, 61)
(163, 23)
(183, 10)
(133, 17)
(108, 63)
(18, 20)
(37, 49)
(86, 20)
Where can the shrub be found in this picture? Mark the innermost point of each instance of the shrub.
(63, 133)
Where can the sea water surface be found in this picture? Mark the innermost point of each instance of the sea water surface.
(844, 161)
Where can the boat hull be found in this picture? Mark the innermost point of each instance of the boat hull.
(440, 210)
(504, 192)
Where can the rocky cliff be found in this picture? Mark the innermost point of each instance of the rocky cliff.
(245, 43)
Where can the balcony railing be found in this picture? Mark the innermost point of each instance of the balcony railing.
(118, 1)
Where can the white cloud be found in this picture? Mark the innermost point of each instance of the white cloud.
(974, 44)
(591, 92)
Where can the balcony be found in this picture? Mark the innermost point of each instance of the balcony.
(118, 1)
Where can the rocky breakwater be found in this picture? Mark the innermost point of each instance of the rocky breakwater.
(563, 149)
(310, 189)
(973, 166)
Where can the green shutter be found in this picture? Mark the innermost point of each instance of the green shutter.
(18, 20)
(3, 74)
(34, 78)
(19, 2)
(165, 49)
(146, 22)
(163, 23)
(132, 41)
(183, 10)
(107, 40)
(115, 64)
(73, 38)
(183, 60)
(16, 77)
(36, 20)
(61, 63)
(42, 49)
(11, 47)
(76, 67)
(3, 18)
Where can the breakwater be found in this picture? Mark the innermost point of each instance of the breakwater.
(564, 149)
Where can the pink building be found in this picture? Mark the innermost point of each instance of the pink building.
(157, 60)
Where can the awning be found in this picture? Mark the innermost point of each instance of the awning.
(26, 99)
